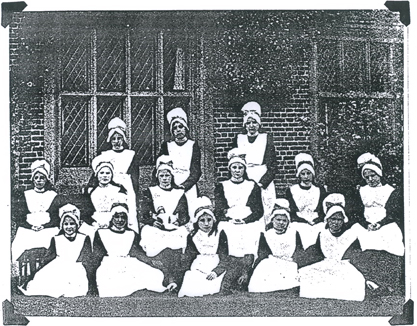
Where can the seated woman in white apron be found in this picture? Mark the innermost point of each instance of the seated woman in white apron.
(123, 267)
(102, 197)
(238, 206)
(306, 200)
(206, 254)
(275, 268)
(185, 155)
(260, 155)
(35, 225)
(165, 216)
(125, 167)
(379, 209)
(64, 271)
(334, 277)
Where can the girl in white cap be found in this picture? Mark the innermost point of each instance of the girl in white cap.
(379, 209)
(206, 253)
(123, 267)
(36, 226)
(260, 154)
(184, 153)
(275, 268)
(334, 277)
(64, 268)
(125, 167)
(165, 215)
(306, 200)
(238, 206)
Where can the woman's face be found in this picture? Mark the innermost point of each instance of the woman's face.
(116, 141)
(237, 170)
(280, 223)
(69, 226)
(178, 131)
(104, 176)
(119, 220)
(252, 126)
(335, 222)
(306, 177)
(205, 223)
(39, 180)
(371, 178)
(164, 179)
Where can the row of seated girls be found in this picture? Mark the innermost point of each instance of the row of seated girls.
(322, 244)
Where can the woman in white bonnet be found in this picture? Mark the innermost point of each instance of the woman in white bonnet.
(378, 207)
(64, 268)
(185, 155)
(36, 226)
(306, 199)
(275, 268)
(125, 164)
(206, 253)
(260, 154)
(334, 277)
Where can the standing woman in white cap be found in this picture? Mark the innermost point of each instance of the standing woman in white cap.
(165, 215)
(36, 226)
(306, 200)
(206, 253)
(125, 167)
(379, 209)
(122, 266)
(275, 268)
(184, 153)
(64, 271)
(238, 206)
(260, 154)
(334, 277)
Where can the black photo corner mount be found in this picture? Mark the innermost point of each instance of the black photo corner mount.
(407, 317)
(12, 318)
(7, 10)
(403, 7)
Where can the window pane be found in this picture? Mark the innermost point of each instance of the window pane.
(143, 60)
(75, 58)
(74, 148)
(380, 67)
(329, 74)
(354, 66)
(143, 129)
(111, 61)
(107, 109)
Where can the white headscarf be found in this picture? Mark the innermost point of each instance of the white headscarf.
(370, 162)
(41, 166)
(335, 209)
(177, 115)
(281, 207)
(251, 110)
(69, 210)
(98, 163)
(116, 125)
(164, 162)
(203, 206)
(236, 156)
(304, 161)
(332, 204)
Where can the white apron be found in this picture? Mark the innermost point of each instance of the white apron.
(25, 239)
(333, 277)
(389, 237)
(121, 162)
(195, 283)
(255, 153)
(63, 276)
(121, 275)
(278, 271)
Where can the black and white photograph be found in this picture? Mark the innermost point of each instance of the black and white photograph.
(191, 163)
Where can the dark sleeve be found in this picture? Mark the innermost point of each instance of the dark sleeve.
(293, 207)
(234, 142)
(319, 208)
(53, 214)
(20, 210)
(299, 249)
(310, 255)
(190, 253)
(182, 211)
(137, 251)
(85, 253)
(270, 162)
(223, 252)
(50, 254)
(99, 251)
(147, 208)
(87, 210)
(86, 258)
(263, 250)
(395, 209)
(133, 171)
(91, 184)
(220, 203)
(195, 168)
(357, 208)
(255, 204)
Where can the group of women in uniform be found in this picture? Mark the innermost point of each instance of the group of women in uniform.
(173, 239)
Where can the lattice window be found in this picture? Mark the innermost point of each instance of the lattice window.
(143, 61)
